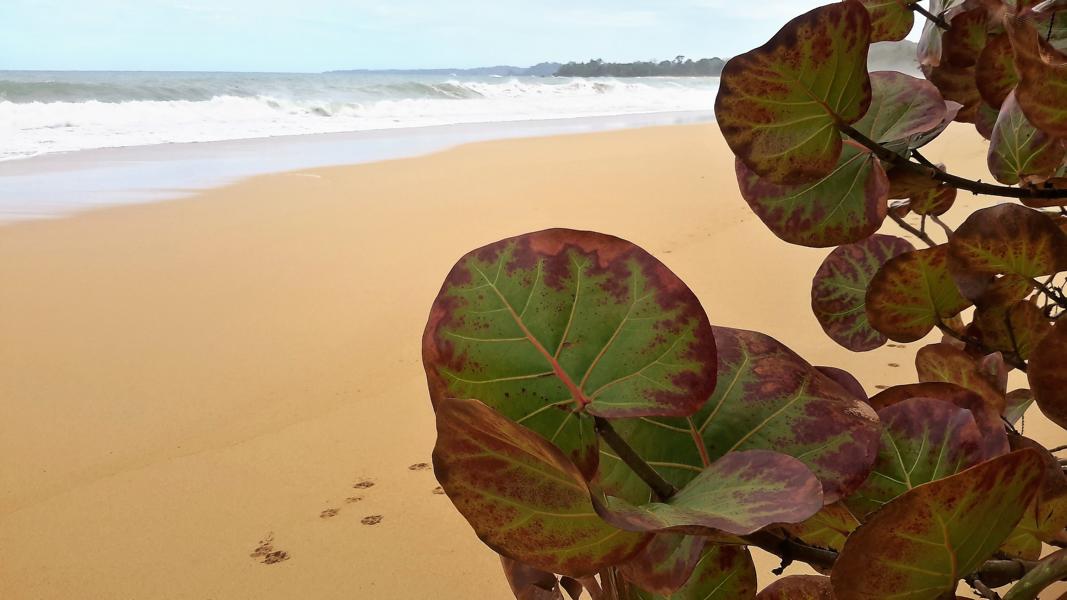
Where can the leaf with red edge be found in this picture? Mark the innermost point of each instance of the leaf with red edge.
(923, 440)
(986, 414)
(530, 583)
(1005, 239)
(934, 201)
(839, 290)
(965, 39)
(829, 528)
(905, 183)
(1017, 328)
(1048, 374)
(995, 75)
(902, 106)
(891, 20)
(921, 544)
(846, 380)
(539, 325)
(524, 498)
(799, 587)
(930, 42)
(665, 564)
(1046, 516)
(957, 84)
(845, 206)
(778, 105)
(1019, 151)
(913, 293)
(942, 362)
(952, 110)
(767, 398)
(739, 494)
(1042, 79)
(985, 120)
(722, 573)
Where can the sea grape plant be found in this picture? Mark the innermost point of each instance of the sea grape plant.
(604, 437)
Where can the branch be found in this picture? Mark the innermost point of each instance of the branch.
(977, 187)
(1050, 570)
(1011, 359)
(939, 21)
(948, 230)
(660, 486)
(982, 589)
(907, 227)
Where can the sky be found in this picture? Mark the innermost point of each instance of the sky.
(320, 35)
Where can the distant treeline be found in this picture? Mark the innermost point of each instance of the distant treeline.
(679, 67)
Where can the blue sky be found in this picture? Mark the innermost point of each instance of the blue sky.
(317, 35)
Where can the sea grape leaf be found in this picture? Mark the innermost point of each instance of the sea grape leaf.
(964, 40)
(1019, 151)
(846, 205)
(923, 440)
(1005, 239)
(540, 325)
(524, 498)
(846, 380)
(1048, 374)
(767, 398)
(905, 183)
(665, 564)
(778, 105)
(891, 20)
(913, 293)
(829, 528)
(934, 201)
(944, 363)
(995, 75)
(1046, 516)
(1016, 405)
(958, 85)
(902, 106)
(799, 587)
(1017, 328)
(839, 290)
(1042, 79)
(722, 573)
(985, 413)
(985, 120)
(930, 42)
(952, 110)
(923, 542)
(530, 583)
(738, 494)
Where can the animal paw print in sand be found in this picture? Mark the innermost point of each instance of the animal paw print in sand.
(420, 467)
(329, 513)
(372, 520)
(266, 553)
(438, 491)
(363, 484)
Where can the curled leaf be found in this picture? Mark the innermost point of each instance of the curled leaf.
(913, 293)
(902, 107)
(839, 290)
(530, 583)
(778, 105)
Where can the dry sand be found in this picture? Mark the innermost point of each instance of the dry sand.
(179, 381)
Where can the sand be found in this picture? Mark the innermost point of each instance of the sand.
(182, 383)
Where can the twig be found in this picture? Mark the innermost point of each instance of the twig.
(660, 486)
(1012, 359)
(948, 230)
(976, 187)
(912, 230)
(982, 589)
(939, 21)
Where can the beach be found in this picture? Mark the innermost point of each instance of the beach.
(191, 388)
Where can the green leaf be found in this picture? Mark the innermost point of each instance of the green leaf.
(1021, 152)
(778, 105)
(934, 201)
(922, 543)
(541, 325)
(901, 107)
(995, 74)
(799, 587)
(965, 39)
(829, 528)
(839, 290)
(945, 363)
(522, 496)
(1046, 516)
(1006, 239)
(913, 293)
(891, 20)
(665, 564)
(986, 414)
(923, 440)
(1048, 375)
(847, 205)
(1017, 403)
(767, 398)
(738, 494)
(1042, 79)
(723, 573)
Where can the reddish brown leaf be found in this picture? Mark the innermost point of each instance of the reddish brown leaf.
(799, 587)
(966, 38)
(665, 564)
(846, 380)
(891, 20)
(913, 293)
(934, 201)
(827, 529)
(995, 75)
(1017, 328)
(957, 84)
(529, 583)
(941, 362)
(1048, 374)
(723, 573)
(1042, 79)
(905, 183)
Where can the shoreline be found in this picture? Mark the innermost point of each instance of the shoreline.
(63, 183)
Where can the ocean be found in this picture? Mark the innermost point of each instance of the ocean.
(52, 112)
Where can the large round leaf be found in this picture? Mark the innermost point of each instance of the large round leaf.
(1046, 516)
(912, 294)
(1006, 239)
(551, 327)
(829, 528)
(966, 37)
(738, 494)
(778, 105)
(1017, 328)
(995, 74)
(798, 587)
(902, 106)
(923, 440)
(847, 205)
(934, 201)
(1048, 374)
(1019, 151)
(665, 564)
(1042, 79)
(947, 364)
(722, 573)
(958, 85)
(920, 545)
(839, 290)
(522, 496)
(767, 398)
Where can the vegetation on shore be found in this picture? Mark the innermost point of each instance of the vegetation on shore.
(679, 67)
